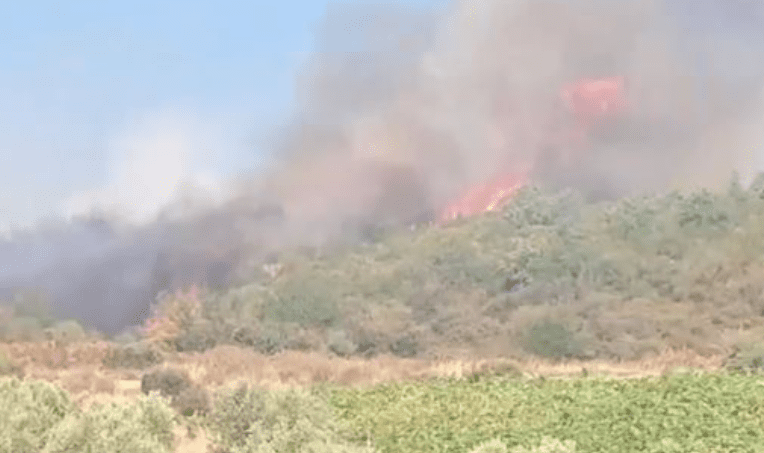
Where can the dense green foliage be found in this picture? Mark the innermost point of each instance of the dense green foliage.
(681, 413)
(40, 417)
(250, 420)
(142, 427)
(30, 410)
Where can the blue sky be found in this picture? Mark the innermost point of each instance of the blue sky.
(82, 82)
(188, 84)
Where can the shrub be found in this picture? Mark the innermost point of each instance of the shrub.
(30, 410)
(248, 420)
(174, 314)
(198, 337)
(339, 343)
(748, 357)
(143, 427)
(308, 300)
(170, 382)
(134, 355)
(551, 340)
(191, 401)
(533, 207)
(175, 384)
(406, 346)
(271, 338)
(245, 336)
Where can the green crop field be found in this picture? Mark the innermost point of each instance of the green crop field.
(682, 413)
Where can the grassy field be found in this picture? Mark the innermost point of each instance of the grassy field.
(682, 413)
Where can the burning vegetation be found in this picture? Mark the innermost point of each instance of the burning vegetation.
(485, 102)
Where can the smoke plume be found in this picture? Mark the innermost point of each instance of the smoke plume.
(397, 112)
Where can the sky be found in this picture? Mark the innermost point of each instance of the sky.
(118, 101)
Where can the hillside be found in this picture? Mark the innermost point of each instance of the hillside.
(550, 276)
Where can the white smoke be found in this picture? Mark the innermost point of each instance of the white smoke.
(152, 166)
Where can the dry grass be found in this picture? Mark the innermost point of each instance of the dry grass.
(653, 366)
(90, 382)
(51, 355)
(78, 381)
(225, 365)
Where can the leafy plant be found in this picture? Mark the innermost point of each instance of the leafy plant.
(308, 300)
(552, 340)
(145, 426)
(138, 355)
(749, 357)
(253, 420)
(31, 409)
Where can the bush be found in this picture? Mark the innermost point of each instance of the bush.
(192, 401)
(534, 207)
(185, 397)
(175, 313)
(170, 382)
(133, 355)
(143, 427)
(272, 338)
(747, 358)
(551, 340)
(198, 337)
(30, 410)
(248, 420)
(307, 300)
(339, 343)
(406, 346)
(40, 417)
(245, 336)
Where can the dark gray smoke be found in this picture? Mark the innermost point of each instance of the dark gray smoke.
(401, 109)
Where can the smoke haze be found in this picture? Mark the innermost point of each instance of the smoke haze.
(397, 112)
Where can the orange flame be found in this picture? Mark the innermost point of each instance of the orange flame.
(484, 198)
